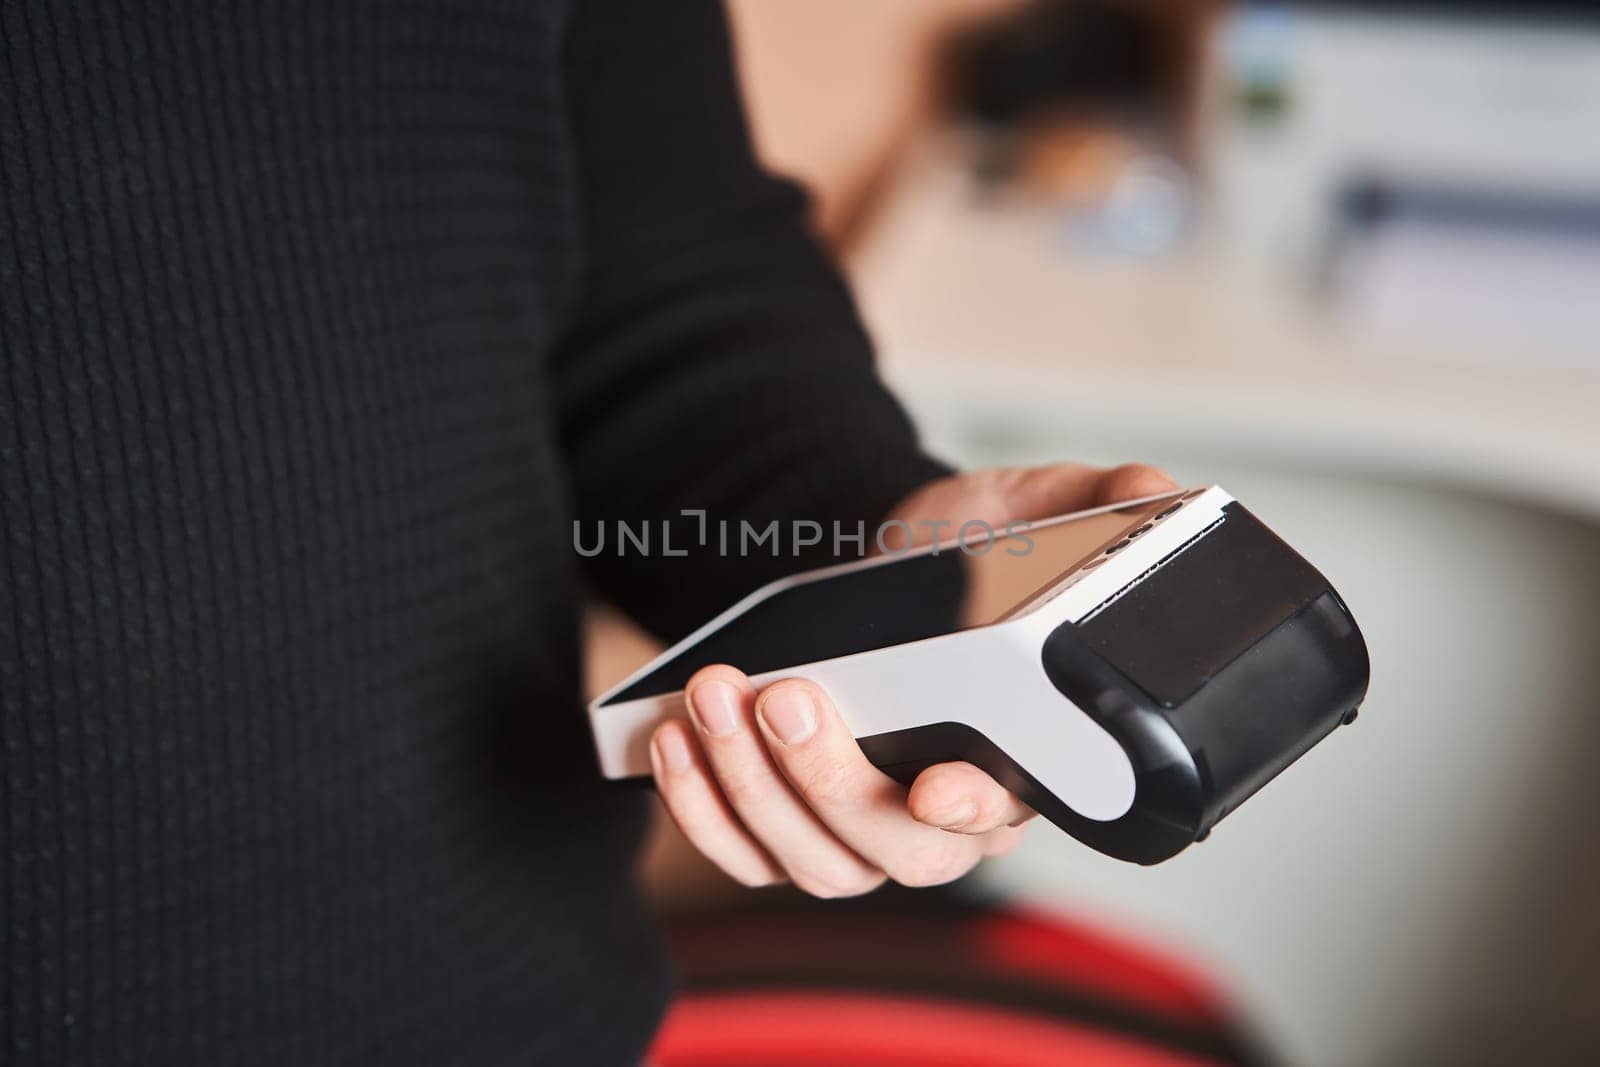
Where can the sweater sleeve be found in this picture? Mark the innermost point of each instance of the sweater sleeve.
(714, 361)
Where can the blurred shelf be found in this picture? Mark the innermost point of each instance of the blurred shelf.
(985, 320)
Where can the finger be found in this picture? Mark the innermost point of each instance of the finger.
(722, 705)
(862, 805)
(1132, 481)
(1043, 492)
(1003, 841)
(962, 799)
(700, 810)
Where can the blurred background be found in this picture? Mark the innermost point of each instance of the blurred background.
(1343, 259)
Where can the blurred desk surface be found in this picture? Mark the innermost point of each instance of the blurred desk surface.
(986, 321)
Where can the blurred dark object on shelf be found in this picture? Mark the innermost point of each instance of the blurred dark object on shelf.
(1058, 56)
(1089, 107)
(932, 978)
(1129, 63)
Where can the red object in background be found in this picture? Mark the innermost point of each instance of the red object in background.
(1074, 953)
(873, 1030)
(904, 985)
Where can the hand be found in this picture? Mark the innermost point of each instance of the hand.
(771, 786)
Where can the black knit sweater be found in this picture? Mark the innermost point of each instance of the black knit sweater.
(321, 322)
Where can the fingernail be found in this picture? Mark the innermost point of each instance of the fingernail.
(672, 751)
(715, 706)
(789, 714)
(955, 816)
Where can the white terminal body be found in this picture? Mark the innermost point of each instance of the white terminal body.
(990, 677)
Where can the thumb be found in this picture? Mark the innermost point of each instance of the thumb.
(1042, 492)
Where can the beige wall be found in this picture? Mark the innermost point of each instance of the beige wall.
(834, 87)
